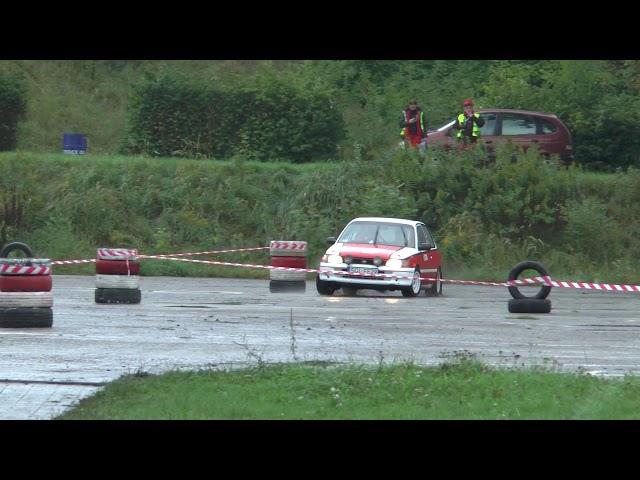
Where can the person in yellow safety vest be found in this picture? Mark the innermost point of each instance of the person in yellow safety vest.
(468, 125)
(413, 125)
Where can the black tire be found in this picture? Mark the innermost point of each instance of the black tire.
(409, 291)
(118, 295)
(287, 286)
(434, 291)
(529, 305)
(10, 247)
(528, 265)
(324, 288)
(23, 317)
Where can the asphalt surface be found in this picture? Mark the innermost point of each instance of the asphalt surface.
(192, 323)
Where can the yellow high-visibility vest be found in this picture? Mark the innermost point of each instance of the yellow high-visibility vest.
(476, 130)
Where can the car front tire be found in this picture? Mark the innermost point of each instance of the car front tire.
(324, 288)
(414, 289)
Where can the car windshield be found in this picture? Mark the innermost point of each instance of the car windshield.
(377, 233)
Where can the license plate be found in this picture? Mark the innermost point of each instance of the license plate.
(364, 270)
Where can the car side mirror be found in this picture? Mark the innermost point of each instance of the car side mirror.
(425, 246)
(331, 240)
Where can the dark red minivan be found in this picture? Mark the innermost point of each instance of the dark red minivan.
(520, 127)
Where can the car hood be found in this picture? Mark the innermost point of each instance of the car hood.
(367, 250)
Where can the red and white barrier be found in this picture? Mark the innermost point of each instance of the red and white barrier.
(292, 255)
(117, 279)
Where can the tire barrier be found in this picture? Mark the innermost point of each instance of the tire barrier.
(117, 276)
(523, 304)
(118, 295)
(286, 255)
(117, 267)
(13, 246)
(26, 300)
(529, 305)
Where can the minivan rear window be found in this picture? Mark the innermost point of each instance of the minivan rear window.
(547, 127)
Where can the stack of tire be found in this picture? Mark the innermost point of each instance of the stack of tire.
(26, 299)
(287, 254)
(117, 276)
(523, 304)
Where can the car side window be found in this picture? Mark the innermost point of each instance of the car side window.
(422, 236)
(489, 127)
(514, 124)
(546, 128)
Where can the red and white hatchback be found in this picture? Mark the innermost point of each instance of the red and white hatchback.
(381, 254)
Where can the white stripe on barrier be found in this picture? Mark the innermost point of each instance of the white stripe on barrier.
(24, 270)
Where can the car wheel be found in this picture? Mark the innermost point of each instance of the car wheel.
(414, 289)
(349, 291)
(436, 288)
(324, 288)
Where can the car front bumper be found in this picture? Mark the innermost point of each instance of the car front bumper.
(386, 277)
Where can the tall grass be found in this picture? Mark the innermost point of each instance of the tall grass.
(486, 217)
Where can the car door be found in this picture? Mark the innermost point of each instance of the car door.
(549, 138)
(517, 128)
(429, 259)
(488, 130)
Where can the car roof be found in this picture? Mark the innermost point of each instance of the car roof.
(513, 110)
(387, 220)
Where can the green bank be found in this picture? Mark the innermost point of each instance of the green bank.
(461, 390)
(487, 216)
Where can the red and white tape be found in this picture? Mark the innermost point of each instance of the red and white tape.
(24, 270)
(204, 253)
(293, 245)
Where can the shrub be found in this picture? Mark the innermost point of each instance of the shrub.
(170, 116)
(12, 108)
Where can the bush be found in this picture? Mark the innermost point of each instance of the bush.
(170, 116)
(12, 108)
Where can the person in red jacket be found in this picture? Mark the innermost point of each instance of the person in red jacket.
(413, 125)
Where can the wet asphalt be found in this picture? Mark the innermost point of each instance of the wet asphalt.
(194, 323)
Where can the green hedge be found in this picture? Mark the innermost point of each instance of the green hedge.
(12, 108)
(170, 116)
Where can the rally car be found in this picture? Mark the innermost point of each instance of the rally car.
(381, 254)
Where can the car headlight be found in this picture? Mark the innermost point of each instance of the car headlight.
(334, 259)
(396, 263)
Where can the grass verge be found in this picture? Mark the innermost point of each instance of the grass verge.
(463, 389)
